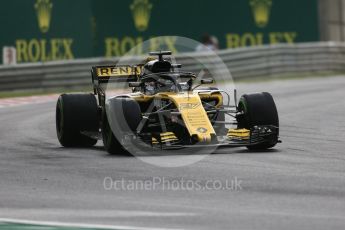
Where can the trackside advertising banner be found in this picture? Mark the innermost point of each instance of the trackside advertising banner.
(49, 30)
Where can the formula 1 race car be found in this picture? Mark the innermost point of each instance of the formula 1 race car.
(167, 109)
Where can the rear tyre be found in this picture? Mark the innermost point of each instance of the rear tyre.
(76, 113)
(122, 117)
(258, 109)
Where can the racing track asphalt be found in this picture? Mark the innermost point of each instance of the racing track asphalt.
(298, 185)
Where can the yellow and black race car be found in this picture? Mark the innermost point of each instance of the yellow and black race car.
(167, 109)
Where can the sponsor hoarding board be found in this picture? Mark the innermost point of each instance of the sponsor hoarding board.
(48, 30)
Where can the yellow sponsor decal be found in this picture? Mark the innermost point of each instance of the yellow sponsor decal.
(239, 134)
(118, 71)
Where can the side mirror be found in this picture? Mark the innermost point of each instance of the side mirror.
(206, 81)
(134, 84)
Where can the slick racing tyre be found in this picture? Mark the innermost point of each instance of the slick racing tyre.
(121, 118)
(110, 142)
(258, 109)
(75, 114)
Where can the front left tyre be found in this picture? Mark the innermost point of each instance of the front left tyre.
(76, 115)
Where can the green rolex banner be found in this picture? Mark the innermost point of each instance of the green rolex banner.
(49, 30)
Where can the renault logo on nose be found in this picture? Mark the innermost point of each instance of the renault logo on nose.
(202, 130)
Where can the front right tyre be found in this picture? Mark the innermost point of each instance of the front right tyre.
(259, 109)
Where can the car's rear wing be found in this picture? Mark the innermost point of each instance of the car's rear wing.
(114, 73)
(123, 73)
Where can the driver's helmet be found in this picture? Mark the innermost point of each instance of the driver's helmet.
(150, 88)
